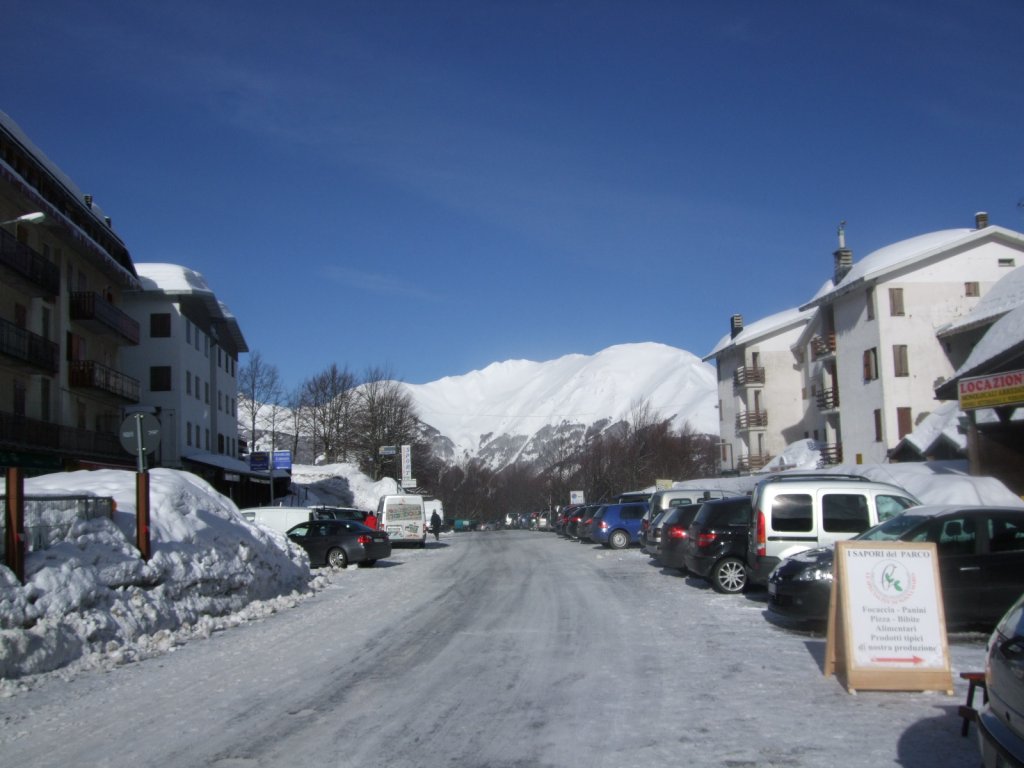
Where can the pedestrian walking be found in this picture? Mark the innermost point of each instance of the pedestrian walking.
(435, 525)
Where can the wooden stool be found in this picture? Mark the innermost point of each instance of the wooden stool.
(967, 711)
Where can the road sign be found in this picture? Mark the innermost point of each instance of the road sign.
(282, 459)
(132, 426)
(259, 461)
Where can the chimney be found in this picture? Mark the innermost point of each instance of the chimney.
(735, 325)
(980, 220)
(88, 201)
(843, 256)
(108, 221)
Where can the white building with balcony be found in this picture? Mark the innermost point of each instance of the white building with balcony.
(187, 364)
(872, 356)
(759, 404)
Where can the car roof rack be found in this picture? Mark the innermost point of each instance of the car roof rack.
(818, 476)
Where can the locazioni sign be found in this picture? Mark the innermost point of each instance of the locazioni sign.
(990, 391)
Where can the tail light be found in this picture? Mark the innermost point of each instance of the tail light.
(604, 526)
(364, 539)
(706, 539)
(675, 532)
(762, 535)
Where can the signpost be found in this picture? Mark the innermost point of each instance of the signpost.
(140, 434)
(886, 625)
(991, 391)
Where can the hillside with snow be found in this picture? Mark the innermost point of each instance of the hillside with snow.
(515, 410)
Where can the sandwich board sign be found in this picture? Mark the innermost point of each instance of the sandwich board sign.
(886, 624)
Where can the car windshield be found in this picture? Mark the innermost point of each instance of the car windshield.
(892, 529)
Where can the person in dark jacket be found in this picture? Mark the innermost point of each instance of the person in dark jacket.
(435, 525)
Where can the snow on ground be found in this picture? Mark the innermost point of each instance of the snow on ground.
(89, 600)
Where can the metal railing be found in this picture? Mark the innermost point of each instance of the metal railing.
(29, 265)
(30, 348)
(832, 453)
(92, 309)
(89, 373)
(23, 433)
(753, 461)
(49, 520)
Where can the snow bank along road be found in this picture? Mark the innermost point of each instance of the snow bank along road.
(497, 649)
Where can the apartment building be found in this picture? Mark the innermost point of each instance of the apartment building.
(872, 355)
(759, 405)
(187, 364)
(62, 327)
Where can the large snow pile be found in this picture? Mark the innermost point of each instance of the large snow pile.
(336, 485)
(89, 594)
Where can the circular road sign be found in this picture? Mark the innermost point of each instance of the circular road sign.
(129, 434)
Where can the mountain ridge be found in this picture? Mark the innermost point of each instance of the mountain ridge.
(510, 410)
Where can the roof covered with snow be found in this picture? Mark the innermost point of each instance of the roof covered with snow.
(1005, 295)
(189, 287)
(908, 252)
(766, 326)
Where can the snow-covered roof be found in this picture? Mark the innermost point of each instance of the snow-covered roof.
(759, 329)
(940, 424)
(182, 283)
(907, 253)
(1004, 296)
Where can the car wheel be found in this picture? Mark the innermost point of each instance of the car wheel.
(337, 558)
(618, 540)
(729, 576)
(367, 563)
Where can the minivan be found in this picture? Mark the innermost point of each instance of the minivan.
(404, 518)
(793, 512)
(283, 518)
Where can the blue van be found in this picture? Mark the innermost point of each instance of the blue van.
(618, 525)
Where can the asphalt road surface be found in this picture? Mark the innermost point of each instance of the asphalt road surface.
(504, 649)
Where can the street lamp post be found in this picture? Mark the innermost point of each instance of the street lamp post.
(26, 218)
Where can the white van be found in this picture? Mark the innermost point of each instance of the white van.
(283, 518)
(404, 519)
(794, 512)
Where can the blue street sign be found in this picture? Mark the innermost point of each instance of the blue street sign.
(259, 461)
(282, 459)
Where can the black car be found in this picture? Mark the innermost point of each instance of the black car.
(339, 542)
(583, 526)
(980, 557)
(671, 547)
(716, 543)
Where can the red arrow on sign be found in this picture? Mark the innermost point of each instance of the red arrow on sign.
(911, 660)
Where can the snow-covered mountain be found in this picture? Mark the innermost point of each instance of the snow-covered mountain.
(518, 408)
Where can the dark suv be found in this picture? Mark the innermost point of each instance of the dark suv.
(716, 543)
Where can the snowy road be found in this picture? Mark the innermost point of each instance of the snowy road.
(493, 649)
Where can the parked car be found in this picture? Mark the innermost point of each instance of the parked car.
(572, 520)
(650, 534)
(1001, 722)
(662, 501)
(671, 547)
(583, 527)
(980, 556)
(716, 543)
(283, 518)
(793, 512)
(618, 525)
(341, 513)
(339, 542)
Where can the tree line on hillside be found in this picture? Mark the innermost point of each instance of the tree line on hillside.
(335, 416)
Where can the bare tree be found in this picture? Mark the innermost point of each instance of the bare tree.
(328, 401)
(385, 415)
(259, 384)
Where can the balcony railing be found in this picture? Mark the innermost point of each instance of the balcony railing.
(23, 433)
(37, 353)
(832, 453)
(823, 346)
(753, 461)
(93, 375)
(747, 375)
(35, 273)
(751, 419)
(95, 312)
(828, 399)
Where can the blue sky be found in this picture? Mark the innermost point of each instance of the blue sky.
(429, 187)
